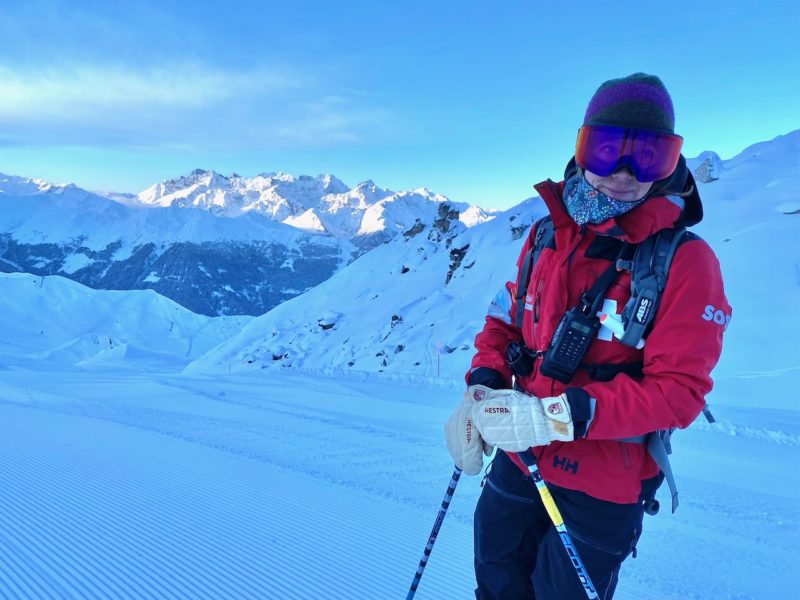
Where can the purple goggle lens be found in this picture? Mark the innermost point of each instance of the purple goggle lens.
(651, 155)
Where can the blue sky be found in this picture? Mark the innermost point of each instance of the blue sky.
(474, 100)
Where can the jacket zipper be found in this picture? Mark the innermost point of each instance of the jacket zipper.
(567, 264)
(535, 316)
(536, 300)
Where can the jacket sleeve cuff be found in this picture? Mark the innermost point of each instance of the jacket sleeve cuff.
(488, 377)
(581, 406)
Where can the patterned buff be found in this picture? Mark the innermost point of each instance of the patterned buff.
(588, 205)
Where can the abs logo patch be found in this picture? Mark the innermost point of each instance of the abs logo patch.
(555, 408)
(644, 309)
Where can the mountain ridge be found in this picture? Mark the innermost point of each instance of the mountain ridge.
(322, 203)
(192, 243)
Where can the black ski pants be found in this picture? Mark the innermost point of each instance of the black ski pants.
(518, 553)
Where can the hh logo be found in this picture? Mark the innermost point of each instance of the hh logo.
(478, 395)
(565, 464)
(555, 409)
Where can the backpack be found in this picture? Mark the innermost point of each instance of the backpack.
(649, 270)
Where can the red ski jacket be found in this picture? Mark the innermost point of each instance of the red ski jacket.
(681, 349)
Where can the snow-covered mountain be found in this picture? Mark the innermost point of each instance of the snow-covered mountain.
(365, 214)
(392, 307)
(414, 304)
(218, 245)
(276, 195)
(99, 326)
(213, 265)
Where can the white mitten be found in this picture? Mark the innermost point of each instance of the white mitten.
(463, 441)
(514, 421)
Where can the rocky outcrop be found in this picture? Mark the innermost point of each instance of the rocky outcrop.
(456, 257)
(710, 169)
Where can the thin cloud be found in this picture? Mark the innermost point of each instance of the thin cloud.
(83, 90)
(182, 105)
(336, 119)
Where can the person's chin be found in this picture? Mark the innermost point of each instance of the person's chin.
(621, 195)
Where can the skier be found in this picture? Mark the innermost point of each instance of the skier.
(568, 389)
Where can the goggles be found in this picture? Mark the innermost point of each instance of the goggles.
(651, 155)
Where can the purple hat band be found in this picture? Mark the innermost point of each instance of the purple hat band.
(636, 101)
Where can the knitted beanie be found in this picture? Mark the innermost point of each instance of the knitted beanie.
(638, 100)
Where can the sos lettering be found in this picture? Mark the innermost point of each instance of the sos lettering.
(717, 316)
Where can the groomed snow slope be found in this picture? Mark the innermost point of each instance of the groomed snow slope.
(296, 487)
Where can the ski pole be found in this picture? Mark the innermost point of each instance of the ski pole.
(558, 521)
(451, 488)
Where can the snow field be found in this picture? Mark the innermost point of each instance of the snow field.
(292, 486)
(118, 499)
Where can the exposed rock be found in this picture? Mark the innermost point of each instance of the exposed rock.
(456, 256)
(516, 232)
(416, 229)
(445, 215)
(710, 169)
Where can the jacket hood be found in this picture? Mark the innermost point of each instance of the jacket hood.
(681, 183)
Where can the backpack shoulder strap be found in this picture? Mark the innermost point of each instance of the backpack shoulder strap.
(542, 237)
(649, 270)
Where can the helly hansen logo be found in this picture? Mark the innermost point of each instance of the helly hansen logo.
(493, 410)
(565, 464)
(710, 313)
(644, 309)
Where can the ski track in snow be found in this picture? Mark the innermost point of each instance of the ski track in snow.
(128, 485)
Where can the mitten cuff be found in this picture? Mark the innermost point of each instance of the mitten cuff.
(581, 406)
(488, 377)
